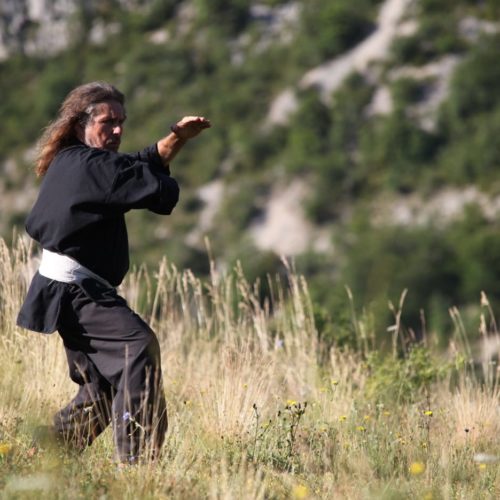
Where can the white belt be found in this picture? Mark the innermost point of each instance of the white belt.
(59, 267)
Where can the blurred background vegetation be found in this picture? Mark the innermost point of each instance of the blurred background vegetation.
(223, 60)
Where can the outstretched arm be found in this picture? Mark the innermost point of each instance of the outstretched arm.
(182, 131)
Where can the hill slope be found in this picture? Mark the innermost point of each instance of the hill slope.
(339, 129)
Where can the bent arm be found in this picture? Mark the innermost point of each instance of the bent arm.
(182, 131)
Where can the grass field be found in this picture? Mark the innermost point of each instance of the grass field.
(258, 406)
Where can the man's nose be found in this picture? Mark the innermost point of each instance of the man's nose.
(118, 130)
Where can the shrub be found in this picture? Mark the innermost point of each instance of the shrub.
(330, 28)
(474, 87)
(436, 36)
(473, 155)
(404, 379)
(384, 261)
(400, 151)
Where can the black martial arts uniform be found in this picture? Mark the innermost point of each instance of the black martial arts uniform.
(112, 353)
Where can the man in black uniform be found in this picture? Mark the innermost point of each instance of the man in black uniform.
(78, 219)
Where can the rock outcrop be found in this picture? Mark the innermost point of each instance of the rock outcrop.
(46, 27)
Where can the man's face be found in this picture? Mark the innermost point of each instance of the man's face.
(104, 129)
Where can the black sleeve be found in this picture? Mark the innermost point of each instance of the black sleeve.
(142, 181)
(151, 156)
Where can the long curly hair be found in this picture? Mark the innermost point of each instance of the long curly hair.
(77, 108)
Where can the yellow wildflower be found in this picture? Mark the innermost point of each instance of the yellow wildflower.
(360, 428)
(291, 402)
(5, 448)
(342, 418)
(335, 382)
(300, 491)
(417, 468)
(428, 413)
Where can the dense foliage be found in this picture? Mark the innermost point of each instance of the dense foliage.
(222, 59)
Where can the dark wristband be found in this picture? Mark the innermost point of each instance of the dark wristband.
(175, 129)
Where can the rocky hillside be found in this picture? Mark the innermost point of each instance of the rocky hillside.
(357, 136)
(46, 27)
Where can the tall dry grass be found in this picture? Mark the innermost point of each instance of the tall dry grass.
(255, 410)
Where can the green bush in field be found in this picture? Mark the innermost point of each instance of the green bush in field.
(275, 440)
(404, 379)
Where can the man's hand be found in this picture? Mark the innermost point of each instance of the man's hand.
(185, 129)
(190, 126)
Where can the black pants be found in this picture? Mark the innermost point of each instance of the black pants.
(114, 356)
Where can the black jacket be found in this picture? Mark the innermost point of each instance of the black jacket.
(80, 212)
(83, 198)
